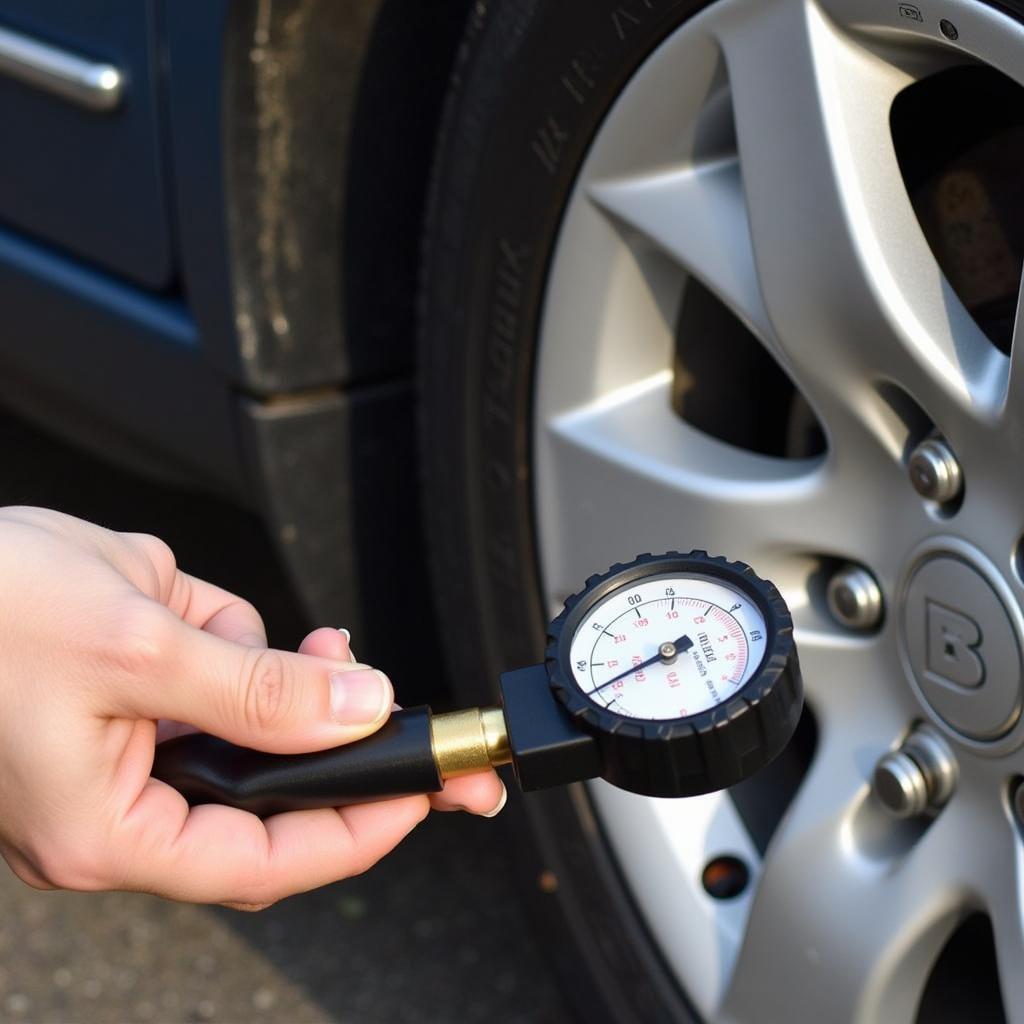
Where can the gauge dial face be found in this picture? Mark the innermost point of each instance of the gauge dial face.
(666, 647)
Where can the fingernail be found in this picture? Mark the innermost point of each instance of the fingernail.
(364, 695)
(348, 639)
(500, 804)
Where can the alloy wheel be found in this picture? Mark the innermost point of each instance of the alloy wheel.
(753, 169)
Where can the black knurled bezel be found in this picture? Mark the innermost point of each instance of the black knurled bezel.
(712, 749)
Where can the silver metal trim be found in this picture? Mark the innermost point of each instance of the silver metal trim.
(94, 86)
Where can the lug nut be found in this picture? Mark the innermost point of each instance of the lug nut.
(934, 471)
(901, 786)
(918, 778)
(854, 598)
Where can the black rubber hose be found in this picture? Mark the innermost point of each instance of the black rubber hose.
(395, 761)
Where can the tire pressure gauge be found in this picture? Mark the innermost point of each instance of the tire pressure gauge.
(669, 676)
(682, 668)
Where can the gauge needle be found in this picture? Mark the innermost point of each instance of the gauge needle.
(684, 643)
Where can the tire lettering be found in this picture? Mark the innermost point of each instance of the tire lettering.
(508, 297)
(625, 19)
(577, 80)
(549, 144)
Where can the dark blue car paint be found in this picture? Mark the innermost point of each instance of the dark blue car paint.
(90, 183)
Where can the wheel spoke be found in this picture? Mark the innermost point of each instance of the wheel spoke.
(1001, 880)
(625, 474)
(847, 679)
(651, 834)
(850, 286)
(697, 216)
(838, 931)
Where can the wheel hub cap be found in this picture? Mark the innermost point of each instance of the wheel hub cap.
(960, 645)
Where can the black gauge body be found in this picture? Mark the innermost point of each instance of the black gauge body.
(713, 748)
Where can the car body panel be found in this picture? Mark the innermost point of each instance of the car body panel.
(89, 182)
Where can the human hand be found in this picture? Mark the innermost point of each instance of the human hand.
(101, 638)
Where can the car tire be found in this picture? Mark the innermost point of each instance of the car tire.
(535, 89)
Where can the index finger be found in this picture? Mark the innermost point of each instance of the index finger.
(482, 793)
(216, 610)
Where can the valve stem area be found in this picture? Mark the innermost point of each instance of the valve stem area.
(468, 741)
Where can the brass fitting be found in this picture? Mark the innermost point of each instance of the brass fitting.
(469, 741)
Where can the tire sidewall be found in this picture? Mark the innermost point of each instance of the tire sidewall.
(532, 86)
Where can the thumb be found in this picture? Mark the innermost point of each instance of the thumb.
(263, 698)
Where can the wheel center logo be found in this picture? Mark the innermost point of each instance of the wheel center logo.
(960, 646)
(953, 642)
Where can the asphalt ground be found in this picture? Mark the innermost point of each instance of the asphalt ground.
(434, 934)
